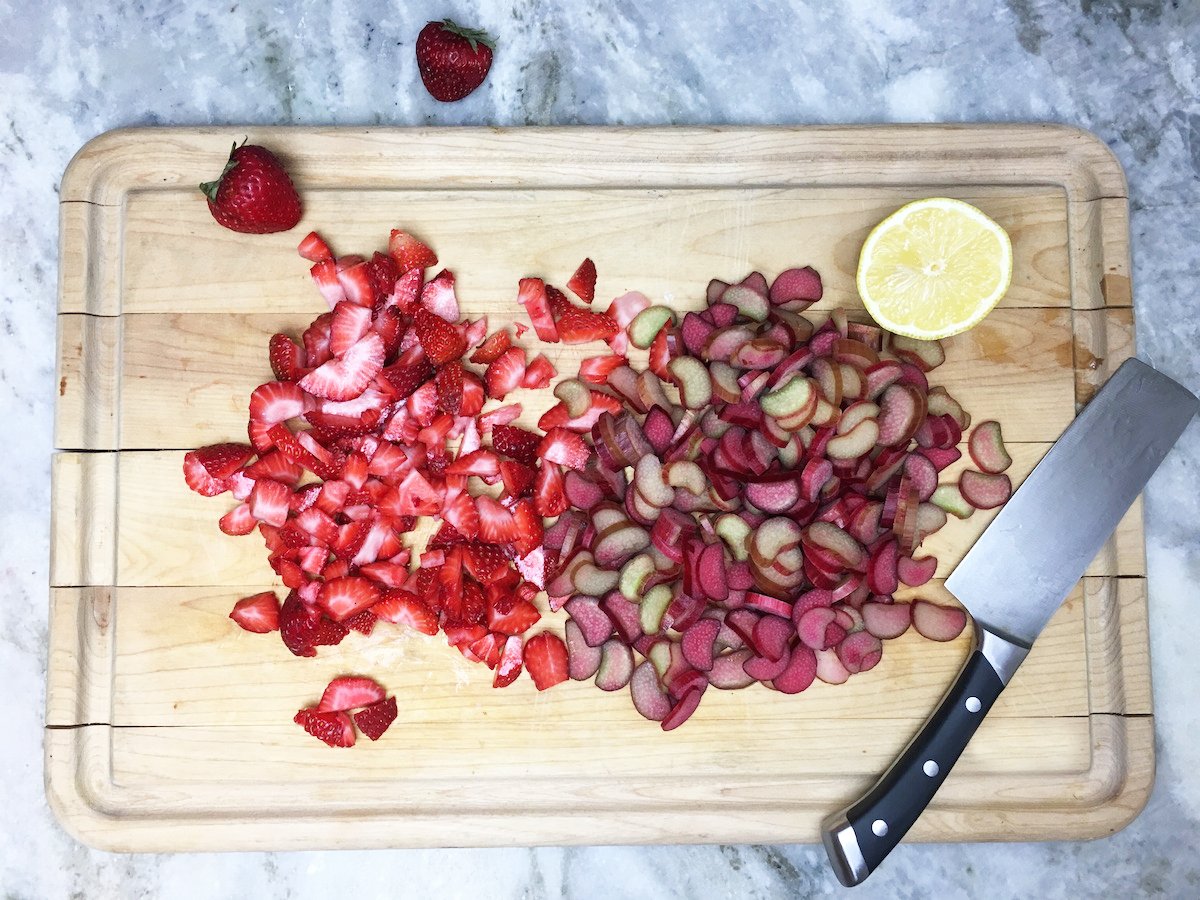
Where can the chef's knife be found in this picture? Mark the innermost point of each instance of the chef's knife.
(1013, 579)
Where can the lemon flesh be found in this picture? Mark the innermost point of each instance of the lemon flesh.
(934, 268)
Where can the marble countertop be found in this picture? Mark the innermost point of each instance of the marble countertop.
(1127, 69)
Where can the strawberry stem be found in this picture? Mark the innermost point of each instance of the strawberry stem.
(210, 188)
(473, 36)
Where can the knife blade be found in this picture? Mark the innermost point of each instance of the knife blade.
(1012, 581)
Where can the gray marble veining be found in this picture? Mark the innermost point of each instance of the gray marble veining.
(1130, 71)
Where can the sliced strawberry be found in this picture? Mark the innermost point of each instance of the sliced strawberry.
(350, 692)
(329, 427)
(505, 373)
(334, 728)
(312, 560)
(417, 496)
(546, 660)
(509, 666)
(402, 608)
(530, 529)
(347, 377)
(578, 326)
(487, 563)
(461, 514)
(483, 463)
(276, 466)
(517, 477)
(520, 328)
(536, 569)
(258, 613)
(596, 369)
(409, 252)
(343, 597)
(318, 524)
(660, 354)
(354, 472)
(403, 379)
(441, 340)
(325, 277)
(438, 297)
(313, 248)
(269, 501)
(278, 401)
(350, 323)
(557, 417)
(357, 284)
(557, 301)
(490, 350)
(450, 386)
(238, 520)
(205, 470)
(549, 498)
(374, 720)
(583, 282)
(510, 615)
(565, 448)
(384, 272)
(290, 446)
(287, 359)
(304, 628)
(407, 293)
(496, 524)
(473, 605)
(316, 340)
(461, 634)
(538, 373)
(486, 650)
(362, 622)
(531, 293)
(475, 331)
(516, 443)
(473, 395)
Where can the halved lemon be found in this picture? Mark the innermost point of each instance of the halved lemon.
(934, 268)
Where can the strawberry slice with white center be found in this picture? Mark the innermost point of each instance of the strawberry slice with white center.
(278, 401)
(538, 373)
(208, 469)
(549, 496)
(476, 330)
(511, 615)
(565, 448)
(546, 660)
(509, 666)
(483, 463)
(532, 567)
(238, 520)
(531, 293)
(275, 466)
(596, 369)
(334, 728)
(347, 377)
(439, 298)
(557, 417)
(403, 608)
(350, 323)
(343, 597)
(506, 373)
(269, 501)
(350, 692)
(356, 281)
(462, 514)
(325, 276)
(374, 720)
(313, 248)
(496, 524)
(258, 613)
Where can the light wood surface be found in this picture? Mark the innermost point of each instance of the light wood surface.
(168, 728)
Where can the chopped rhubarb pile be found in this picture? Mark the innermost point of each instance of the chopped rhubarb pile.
(756, 497)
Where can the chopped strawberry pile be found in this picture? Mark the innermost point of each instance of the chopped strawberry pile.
(351, 444)
(330, 719)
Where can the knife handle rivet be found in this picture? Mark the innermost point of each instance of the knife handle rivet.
(973, 704)
(879, 828)
(930, 768)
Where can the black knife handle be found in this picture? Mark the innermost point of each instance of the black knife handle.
(860, 837)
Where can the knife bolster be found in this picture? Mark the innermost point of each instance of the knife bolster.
(1004, 655)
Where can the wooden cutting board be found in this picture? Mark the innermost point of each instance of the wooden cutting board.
(168, 728)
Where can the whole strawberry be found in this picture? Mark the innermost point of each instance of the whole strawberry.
(453, 60)
(253, 194)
